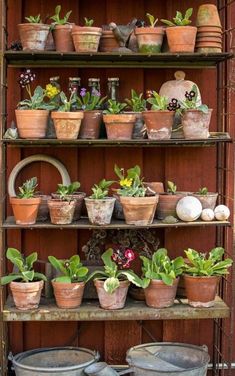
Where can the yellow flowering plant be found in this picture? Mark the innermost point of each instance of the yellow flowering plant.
(51, 91)
(130, 185)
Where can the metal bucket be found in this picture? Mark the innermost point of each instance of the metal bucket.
(171, 359)
(61, 361)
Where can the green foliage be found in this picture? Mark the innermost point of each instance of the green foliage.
(132, 184)
(56, 18)
(36, 101)
(202, 264)
(151, 19)
(191, 102)
(34, 19)
(101, 190)
(158, 102)
(179, 19)
(71, 270)
(89, 101)
(203, 191)
(112, 275)
(27, 190)
(171, 187)
(66, 104)
(161, 267)
(24, 265)
(114, 107)
(66, 190)
(136, 103)
(88, 22)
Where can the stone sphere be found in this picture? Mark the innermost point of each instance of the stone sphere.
(207, 215)
(188, 209)
(222, 212)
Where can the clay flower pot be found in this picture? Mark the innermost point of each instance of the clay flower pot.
(100, 210)
(201, 291)
(208, 15)
(33, 36)
(67, 124)
(25, 210)
(208, 201)
(116, 300)
(61, 212)
(79, 198)
(108, 42)
(90, 126)
(26, 295)
(119, 126)
(68, 295)
(160, 295)
(32, 123)
(63, 38)
(139, 211)
(159, 124)
(86, 39)
(181, 38)
(167, 205)
(209, 29)
(149, 39)
(196, 124)
(156, 187)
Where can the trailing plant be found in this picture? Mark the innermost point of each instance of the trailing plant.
(131, 185)
(24, 265)
(88, 21)
(136, 103)
(112, 275)
(90, 101)
(191, 102)
(152, 19)
(179, 19)
(71, 269)
(34, 19)
(202, 264)
(67, 190)
(158, 102)
(101, 190)
(27, 190)
(114, 107)
(161, 267)
(203, 191)
(56, 18)
(171, 188)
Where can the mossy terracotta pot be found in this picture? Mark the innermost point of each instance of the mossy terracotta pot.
(86, 39)
(167, 205)
(68, 295)
(33, 36)
(208, 201)
(108, 41)
(32, 123)
(139, 211)
(149, 39)
(208, 15)
(26, 295)
(90, 125)
(63, 38)
(61, 212)
(196, 124)
(181, 38)
(159, 124)
(67, 124)
(116, 300)
(25, 210)
(100, 210)
(119, 126)
(201, 291)
(79, 198)
(160, 295)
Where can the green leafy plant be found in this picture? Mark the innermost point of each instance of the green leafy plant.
(152, 20)
(202, 264)
(136, 103)
(36, 100)
(56, 18)
(88, 21)
(24, 265)
(67, 190)
(34, 19)
(71, 270)
(171, 187)
(66, 104)
(112, 275)
(89, 101)
(203, 191)
(161, 267)
(101, 190)
(130, 185)
(191, 102)
(179, 19)
(114, 107)
(27, 190)
(158, 102)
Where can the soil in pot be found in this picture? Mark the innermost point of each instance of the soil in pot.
(181, 38)
(90, 125)
(159, 124)
(25, 210)
(68, 295)
(116, 300)
(108, 42)
(201, 291)
(167, 205)
(61, 212)
(196, 124)
(119, 127)
(139, 211)
(63, 38)
(26, 295)
(67, 124)
(208, 201)
(160, 295)
(100, 211)
(86, 39)
(33, 36)
(32, 123)
(149, 39)
(79, 198)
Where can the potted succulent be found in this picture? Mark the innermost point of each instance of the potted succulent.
(86, 38)
(159, 120)
(71, 192)
(150, 38)
(32, 114)
(202, 274)
(26, 204)
(33, 35)
(180, 36)
(138, 208)
(61, 30)
(137, 105)
(62, 206)
(67, 122)
(99, 205)
(91, 104)
(161, 278)
(207, 199)
(112, 283)
(25, 284)
(119, 125)
(168, 201)
(69, 285)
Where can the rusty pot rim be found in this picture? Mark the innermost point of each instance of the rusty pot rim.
(100, 200)
(56, 200)
(121, 118)
(36, 25)
(181, 27)
(64, 284)
(26, 284)
(150, 30)
(206, 277)
(67, 25)
(32, 111)
(67, 115)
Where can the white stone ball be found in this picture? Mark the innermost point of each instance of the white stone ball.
(188, 209)
(222, 212)
(207, 215)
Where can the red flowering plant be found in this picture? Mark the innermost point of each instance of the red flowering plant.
(123, 258)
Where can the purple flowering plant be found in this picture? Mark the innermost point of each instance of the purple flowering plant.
(89, 101)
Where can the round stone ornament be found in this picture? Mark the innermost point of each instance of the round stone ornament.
(189, 209)
(207, 215)
(222, 212)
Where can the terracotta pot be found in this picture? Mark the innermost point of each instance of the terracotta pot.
(136, 293)
(79, 198)
(181, 38)
(67, 124)
(159, 124)
(25, 210)
(209, 29)
(167, 205)
(139, 131)
(61, 212)
(160, 295)
(63, 38)
(50, 44)
(43, 210)
(32, 123)
(206, 50)
(116, 300)
(26, 295)
(33, 36)
(209, 38)
(86, 39)
(208, 15)
(119, 127)
(208, 201)
(196, 124)
(149, 39)
(68, 295)
(157, 187)
(108, 42)
(139, 211)
(201, 291)
(100, 211)
(90, 125)
(209, 44)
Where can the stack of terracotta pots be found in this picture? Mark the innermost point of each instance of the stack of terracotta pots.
(209, 34)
